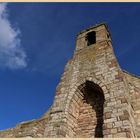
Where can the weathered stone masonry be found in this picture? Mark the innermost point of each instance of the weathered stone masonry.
(94, 98)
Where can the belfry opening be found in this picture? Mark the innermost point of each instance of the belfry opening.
(91, 38)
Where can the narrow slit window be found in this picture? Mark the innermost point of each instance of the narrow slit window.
(91, 38)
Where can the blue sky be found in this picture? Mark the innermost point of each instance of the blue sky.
(37, 40)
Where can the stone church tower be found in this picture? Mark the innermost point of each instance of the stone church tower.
(94, 98)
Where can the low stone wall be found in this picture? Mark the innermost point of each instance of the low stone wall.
(134, 87)
(33, 128)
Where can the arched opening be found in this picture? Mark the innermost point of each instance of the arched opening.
(91, 38)
(91, 105)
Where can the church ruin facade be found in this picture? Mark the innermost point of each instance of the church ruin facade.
(95, 97)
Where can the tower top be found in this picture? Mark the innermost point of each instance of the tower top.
(93, 27)
(93, 35)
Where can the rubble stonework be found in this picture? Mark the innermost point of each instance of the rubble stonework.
(94, 98)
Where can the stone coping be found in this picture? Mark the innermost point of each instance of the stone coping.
(92, 27)
(131, 74)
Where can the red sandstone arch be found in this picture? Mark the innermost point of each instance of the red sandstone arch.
(85, 111)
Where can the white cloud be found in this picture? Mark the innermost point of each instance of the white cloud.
(11, 53)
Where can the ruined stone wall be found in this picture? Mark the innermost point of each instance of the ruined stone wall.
(94, 98)
(134, 87)
(96, 63)
(34, 128)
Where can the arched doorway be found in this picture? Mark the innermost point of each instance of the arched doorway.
(90, 114)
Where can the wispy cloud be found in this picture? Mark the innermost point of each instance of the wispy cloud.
(12, 55)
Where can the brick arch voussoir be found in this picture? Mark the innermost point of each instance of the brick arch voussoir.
(82, 81)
